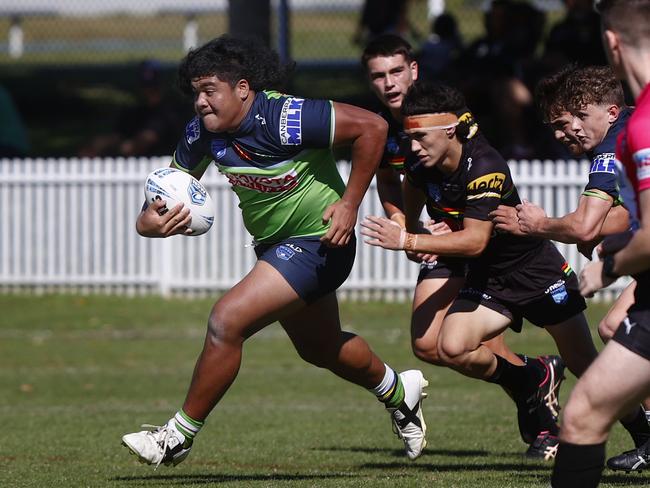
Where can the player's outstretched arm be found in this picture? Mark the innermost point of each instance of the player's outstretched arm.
(467, 242)
(366, 133)
(584, 224)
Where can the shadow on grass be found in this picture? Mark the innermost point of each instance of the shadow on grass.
(632, 479)
(440, 467)
(400, 452)
(200, 479)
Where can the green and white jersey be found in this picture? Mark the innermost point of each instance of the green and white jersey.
(279, 163)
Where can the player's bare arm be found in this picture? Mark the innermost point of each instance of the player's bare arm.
(389, 189)
(470, 241)
(584, 224)
(366, 133)
(617, 220)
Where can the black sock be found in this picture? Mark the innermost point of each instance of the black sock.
(638, 428)
(578, 465)
(511, 377)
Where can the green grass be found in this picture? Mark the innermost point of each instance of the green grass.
(78, 372)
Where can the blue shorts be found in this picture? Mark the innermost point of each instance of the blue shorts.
(312, 269)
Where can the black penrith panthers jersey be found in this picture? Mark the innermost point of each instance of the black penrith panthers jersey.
(479, 185)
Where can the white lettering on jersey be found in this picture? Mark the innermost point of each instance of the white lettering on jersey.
(291, 122)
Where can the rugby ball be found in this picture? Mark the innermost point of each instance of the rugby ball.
(175, 186)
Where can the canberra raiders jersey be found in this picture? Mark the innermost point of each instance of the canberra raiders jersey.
(479, 185)
(279, 163)
(605, 173)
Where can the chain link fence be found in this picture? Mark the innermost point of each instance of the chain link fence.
(108, 31)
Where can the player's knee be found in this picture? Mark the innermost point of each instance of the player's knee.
(452, 350)
(223, 326)
(580, 419)
(319, 358)
(427, 352)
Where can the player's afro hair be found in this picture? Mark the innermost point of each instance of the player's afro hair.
(232, 59)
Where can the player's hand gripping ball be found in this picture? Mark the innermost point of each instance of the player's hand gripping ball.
(175, 186)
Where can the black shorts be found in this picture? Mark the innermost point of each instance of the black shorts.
(312, 269)
(443, 268)
(544, 290)
(634, 332)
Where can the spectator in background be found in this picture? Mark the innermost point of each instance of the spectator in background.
(383, 17)
(495, 72)
(576, 38)
(13, 135)
(441, 49)
(150, 128)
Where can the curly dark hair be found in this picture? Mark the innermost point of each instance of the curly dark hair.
(386, 45)
(596, 85)
(231, 59)
(550, 94)
(430, 98)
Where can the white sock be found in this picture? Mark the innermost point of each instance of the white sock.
(386, 384)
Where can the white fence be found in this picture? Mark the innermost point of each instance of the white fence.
(69, 225)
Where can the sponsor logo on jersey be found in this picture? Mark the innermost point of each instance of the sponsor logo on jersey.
(290, 122)
(603, 163)
(284, 252)
(642, 161)
(196, 192)
(193, 131)
(265, 184)
(260, 119)
(218, 148)
(487, 186)
(558, 292)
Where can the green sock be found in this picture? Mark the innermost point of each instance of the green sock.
(394, 397)
(186, 425)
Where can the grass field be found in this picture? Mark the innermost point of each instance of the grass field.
(78, 372)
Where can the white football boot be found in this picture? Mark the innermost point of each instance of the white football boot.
(408, 420)
(158, 445)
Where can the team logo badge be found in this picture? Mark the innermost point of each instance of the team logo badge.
(392, 146)
(284, 252)
(218, 148)
(558, 292)
(434, 192)
(193, 131)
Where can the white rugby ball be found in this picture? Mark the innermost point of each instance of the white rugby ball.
(175, 186)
